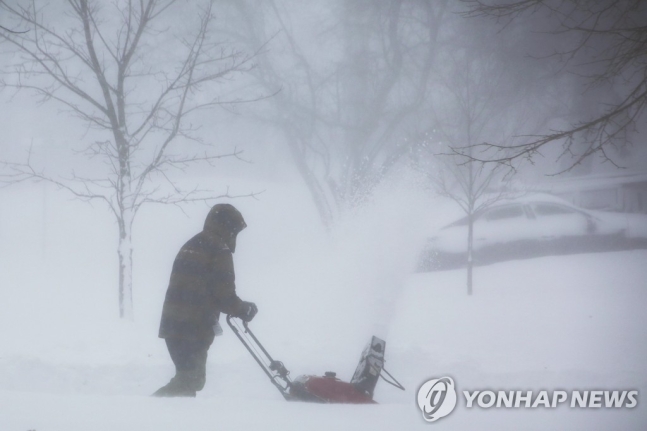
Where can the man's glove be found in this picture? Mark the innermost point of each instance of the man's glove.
(247, 311)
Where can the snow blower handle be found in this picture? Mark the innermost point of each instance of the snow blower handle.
(279, 368)
(275, 370)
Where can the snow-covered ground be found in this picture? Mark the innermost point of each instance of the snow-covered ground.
(67, 363)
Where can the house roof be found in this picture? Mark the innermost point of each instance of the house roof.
(593, 182)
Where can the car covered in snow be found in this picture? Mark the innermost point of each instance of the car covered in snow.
(530, 226)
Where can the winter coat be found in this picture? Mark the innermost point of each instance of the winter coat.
(201, 286)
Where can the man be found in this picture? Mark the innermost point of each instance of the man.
(201, 287)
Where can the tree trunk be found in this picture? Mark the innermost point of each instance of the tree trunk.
(470, 244)
(472, 202)
(125, 252)
(125, 197)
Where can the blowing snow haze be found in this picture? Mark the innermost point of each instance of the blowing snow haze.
(464, 180)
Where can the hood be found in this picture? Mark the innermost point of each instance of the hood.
(225, 221)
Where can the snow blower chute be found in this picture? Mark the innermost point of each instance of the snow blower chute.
(320, 389)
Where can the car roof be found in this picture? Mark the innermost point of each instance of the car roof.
(528, 198)
(522, 199)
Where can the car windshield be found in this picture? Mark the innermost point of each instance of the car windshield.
(507, 212)
(551, 209)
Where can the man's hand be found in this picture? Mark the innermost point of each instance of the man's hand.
(247, 311)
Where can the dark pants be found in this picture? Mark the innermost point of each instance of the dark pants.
(190, 359)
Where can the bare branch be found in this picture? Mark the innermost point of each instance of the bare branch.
(611, 47)
(23, 172)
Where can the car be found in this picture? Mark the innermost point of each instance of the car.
(530, 226)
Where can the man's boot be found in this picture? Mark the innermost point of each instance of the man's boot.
(177, 387)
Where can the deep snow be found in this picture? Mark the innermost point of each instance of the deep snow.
(67, 363)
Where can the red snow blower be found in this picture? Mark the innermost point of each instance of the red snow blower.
(320, 389)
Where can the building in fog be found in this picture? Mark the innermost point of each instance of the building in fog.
(618, 191)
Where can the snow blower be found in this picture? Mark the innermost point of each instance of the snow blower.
(320, 389)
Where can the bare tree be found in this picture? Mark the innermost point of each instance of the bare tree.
(105, 69)
(604, 43)
(344, 105)
(474, 187)
(480, 100)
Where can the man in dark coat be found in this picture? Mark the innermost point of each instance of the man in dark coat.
(201, 287)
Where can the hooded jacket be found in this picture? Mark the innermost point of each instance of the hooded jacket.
(202, 283)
